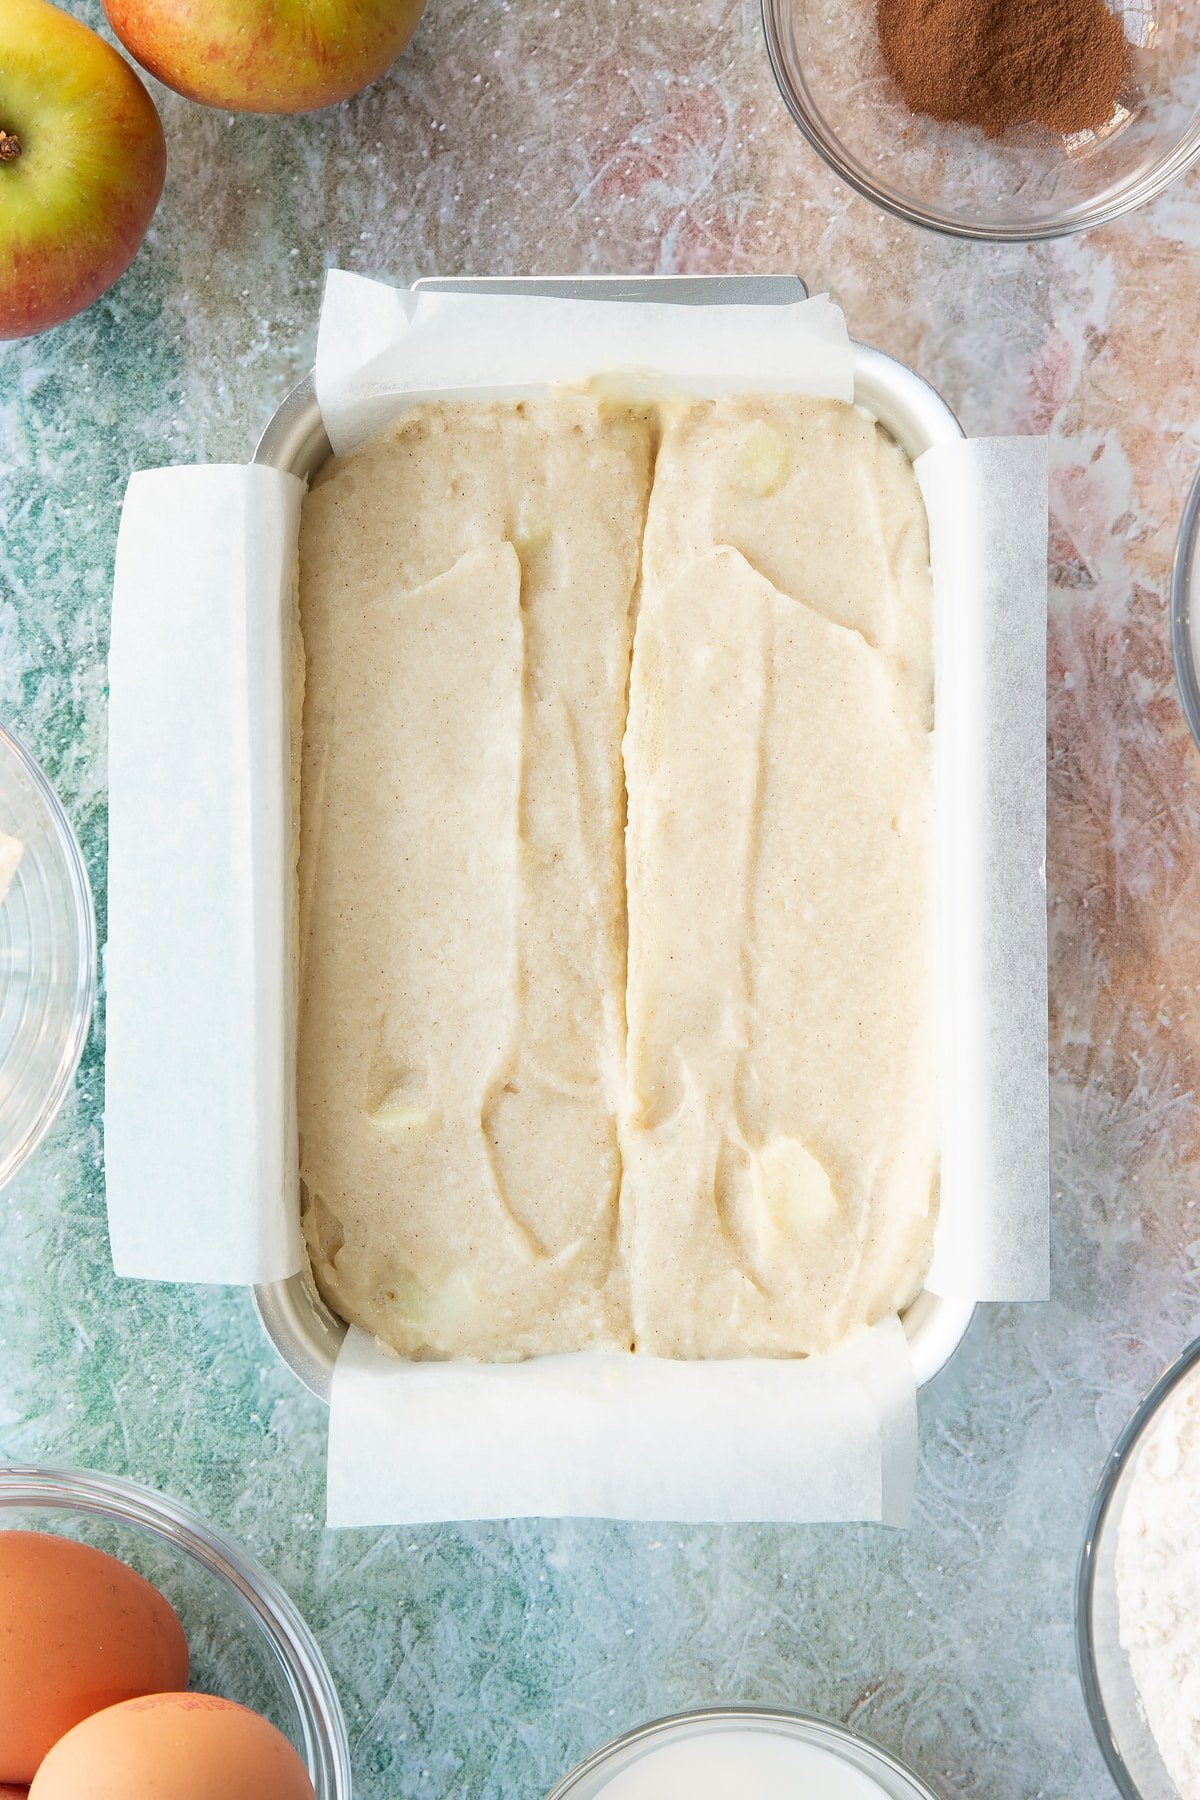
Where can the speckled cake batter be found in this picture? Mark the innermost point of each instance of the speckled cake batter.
(782, 1153)
(509, 1145)
(467, 591)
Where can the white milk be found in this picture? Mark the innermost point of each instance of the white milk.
(739, 1764)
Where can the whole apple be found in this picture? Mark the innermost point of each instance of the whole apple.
(82, 163)
(265, 56)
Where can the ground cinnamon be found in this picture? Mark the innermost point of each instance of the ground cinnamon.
(996, 63)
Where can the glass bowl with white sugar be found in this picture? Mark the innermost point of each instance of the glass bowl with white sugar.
(1138, 1595)
(47, 954)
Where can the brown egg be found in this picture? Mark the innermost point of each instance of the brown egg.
(78, 1632)
(173, 1747)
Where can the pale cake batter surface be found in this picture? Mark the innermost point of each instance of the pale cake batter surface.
(782, 1141)
(511, 1142)
(462, 915)
(821, 501)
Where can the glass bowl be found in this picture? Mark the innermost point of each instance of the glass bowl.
(1028, 184)
(1109, 1688)
(248, 1643)
(47, 956)
(591, 1777)
(1185, 583)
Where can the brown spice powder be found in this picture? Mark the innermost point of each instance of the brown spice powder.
(996, 63)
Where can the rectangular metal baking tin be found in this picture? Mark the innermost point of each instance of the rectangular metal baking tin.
(297, 1321)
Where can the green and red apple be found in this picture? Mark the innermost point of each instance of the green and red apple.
(265, 56)
(82, 162)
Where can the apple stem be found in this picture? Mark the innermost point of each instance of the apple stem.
(10, 146)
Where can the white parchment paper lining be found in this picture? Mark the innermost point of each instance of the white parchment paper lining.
(200, 1121)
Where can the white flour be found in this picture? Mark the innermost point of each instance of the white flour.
(1158, 1582)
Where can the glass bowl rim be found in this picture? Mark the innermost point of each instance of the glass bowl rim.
(84, 922)
(100, 1495)
(1123, 1450)
(1087, 217)
(1186, 549)
(670, 1723)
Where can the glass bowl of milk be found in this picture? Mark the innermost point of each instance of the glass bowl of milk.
(726, 1753)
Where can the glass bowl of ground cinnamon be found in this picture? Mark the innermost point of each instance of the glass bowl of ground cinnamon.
(1005, 120)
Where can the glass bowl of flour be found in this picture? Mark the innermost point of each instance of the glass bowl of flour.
(1138, 1595)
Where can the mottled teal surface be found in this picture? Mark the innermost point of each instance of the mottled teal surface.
(638, 136)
